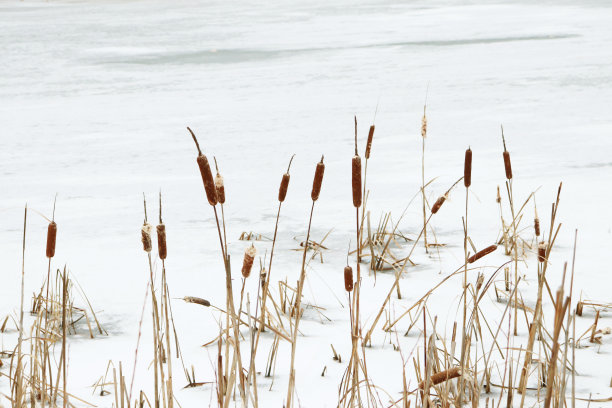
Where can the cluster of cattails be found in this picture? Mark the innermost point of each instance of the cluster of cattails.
(369, 142)
(348, 278)
(51, 238)
(318, 180)
(467, 168)
(247, 263)
(482, 253)
(542, 251)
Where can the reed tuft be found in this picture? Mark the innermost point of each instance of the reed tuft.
(51, 238)
(467, 168)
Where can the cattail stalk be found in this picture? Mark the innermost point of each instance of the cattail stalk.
(423, 198)
(316, 189)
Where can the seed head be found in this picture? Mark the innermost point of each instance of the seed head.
(318, 180)
(146, 236)
(348, 278)
(247, 263)
(161, 241)
(467, 168)
(51, 238)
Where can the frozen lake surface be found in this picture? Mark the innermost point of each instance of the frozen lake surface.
(95, 97)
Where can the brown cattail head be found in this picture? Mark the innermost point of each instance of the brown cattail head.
(207, 178)
(498, 199)
(146, 237)
(438, 204)
(467, 168)
(348, 278)
(51, 237)
(542, 251)
(357, 181)
(318, 180)
(507, 165)
(162, 250)
(247, 263)
(481, 253)
(536, 226)
(369, 142)
(284, 185)
(220, 187)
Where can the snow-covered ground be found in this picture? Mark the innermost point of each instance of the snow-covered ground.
(95, 98)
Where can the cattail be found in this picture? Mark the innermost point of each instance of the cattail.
(284, 185)
(51, 237)
(146, 237)
(161, 241)
(247, 263)
(369, 143)
(438, 204)
(196, 300)
(467, 168)
(542, 251)
(348, 278)
(207, 178)
(220, 188)
(442, 376)
(481, 253)
(498, 199)
(357, 181)
(507, 165)
(424, 126)
(318, 180)
(536, 226)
